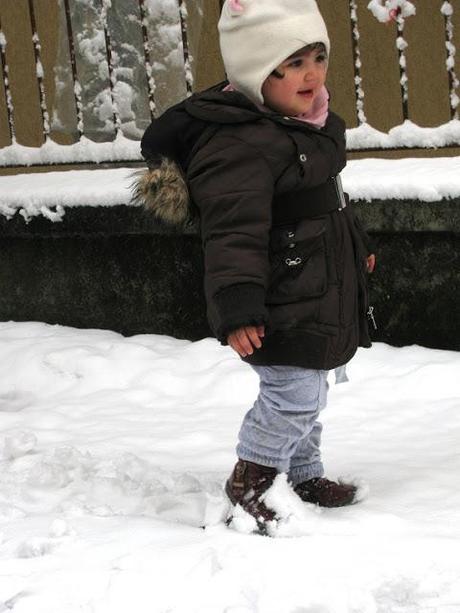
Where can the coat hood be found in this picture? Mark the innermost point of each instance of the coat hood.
(170, 142)
(177, 132)
(222, 107)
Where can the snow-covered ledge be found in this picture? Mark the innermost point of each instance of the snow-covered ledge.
(408, 134)
(421, 179)
(75, 252)
(120, 149)
(123, 149)
(50, 194)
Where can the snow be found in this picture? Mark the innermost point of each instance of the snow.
(385, 10)
(357, 59)
(423, 179)
(365, 136)
(121, 148)
(39, 70)
(396, 10)
(113, 452)
(447, 10)
(408, 134)
(36, 194)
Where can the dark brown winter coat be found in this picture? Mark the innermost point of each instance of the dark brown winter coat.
(281, 244)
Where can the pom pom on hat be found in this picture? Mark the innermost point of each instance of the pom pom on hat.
(257, 35)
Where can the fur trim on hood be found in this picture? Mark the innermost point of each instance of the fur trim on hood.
(162, 190)
(169, 143)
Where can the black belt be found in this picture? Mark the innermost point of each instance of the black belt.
(313, 202)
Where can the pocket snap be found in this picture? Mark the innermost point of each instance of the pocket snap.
(298, 272)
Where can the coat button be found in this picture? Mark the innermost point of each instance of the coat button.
(303, 157)
(292, 245)
(290, 234)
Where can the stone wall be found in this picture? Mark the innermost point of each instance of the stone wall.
(116, 268)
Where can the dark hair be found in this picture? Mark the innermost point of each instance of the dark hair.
(320, 47)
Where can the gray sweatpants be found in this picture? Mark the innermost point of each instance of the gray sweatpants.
(282, 428)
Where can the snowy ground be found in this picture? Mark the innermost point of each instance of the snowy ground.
(113, 452)
(50, 193)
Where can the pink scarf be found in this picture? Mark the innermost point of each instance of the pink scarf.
(316, 115)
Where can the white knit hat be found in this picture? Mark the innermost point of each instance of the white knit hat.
(256, 36)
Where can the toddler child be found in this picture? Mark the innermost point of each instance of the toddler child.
(285, 258)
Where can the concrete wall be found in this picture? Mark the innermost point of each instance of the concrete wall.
(116, 269)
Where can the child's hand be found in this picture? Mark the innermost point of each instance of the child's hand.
(240, 340)
(370, 263)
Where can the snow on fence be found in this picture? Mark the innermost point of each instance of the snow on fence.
(448, 10)
(6, 86)
(162, 30)
(73, 65)
(147, 61)
(407, 134)
(121, 148)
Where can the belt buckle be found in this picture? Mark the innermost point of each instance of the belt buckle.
(339, 191)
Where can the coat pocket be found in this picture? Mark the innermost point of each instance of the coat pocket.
(298, 262)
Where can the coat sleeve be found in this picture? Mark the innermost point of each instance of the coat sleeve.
(232, 186)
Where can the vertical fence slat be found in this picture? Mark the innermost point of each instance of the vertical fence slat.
(39, 73)
(447, 10)
(361, 117)
(379, 70)
(147, 62)
(402, 45)
(105, 5)
(6, 86)
(185, 48)
(73, 65)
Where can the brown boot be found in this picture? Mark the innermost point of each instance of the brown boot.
(246, 484)
(326, 493)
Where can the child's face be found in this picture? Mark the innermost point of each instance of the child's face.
(304, 76)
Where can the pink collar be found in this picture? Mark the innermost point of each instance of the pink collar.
(318, 113)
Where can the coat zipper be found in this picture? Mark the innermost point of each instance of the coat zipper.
(370, 314)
